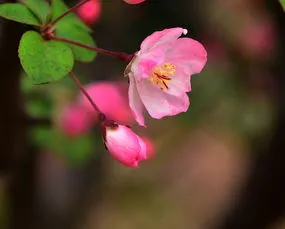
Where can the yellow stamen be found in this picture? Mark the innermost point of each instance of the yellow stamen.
(162, 74)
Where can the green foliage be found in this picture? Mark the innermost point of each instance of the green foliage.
(72, 28)
(39, 107)
(18, 12)
(282, 2)
(76, 150)
(39, 7)
(218, 95)
(49, 61)
(44, 61)
(59, 7)
(65, 30)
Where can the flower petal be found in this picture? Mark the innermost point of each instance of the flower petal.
(179, 83)
(124, 146)
(135, 102)
(143, 152)
(160, 104)
(188, 54)
(160, 37)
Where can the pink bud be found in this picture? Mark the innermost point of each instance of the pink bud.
(90, 11)
(133, 1)
(112, 100)
(124, 145)
(75, 120)
(150, 147)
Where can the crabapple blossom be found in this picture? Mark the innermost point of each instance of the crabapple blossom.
(124, 145)
(90, 11)
(111, 98)
(160, 73)
(133, 1)
(75, 120)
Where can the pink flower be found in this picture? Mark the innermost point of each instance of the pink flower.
(160, 73)
(111, 98)
(90, 11)
(124, 145)
(75, 120)
(150, 147)
(133, 1)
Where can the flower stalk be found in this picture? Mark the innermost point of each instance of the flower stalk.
(70, 10)
(121, 56)
(101, 115)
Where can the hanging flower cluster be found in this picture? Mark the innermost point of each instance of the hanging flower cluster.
(159, 73)
(159, 76)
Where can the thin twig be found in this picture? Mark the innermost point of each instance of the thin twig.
(95, 107)
(121, 56)
(70, 10)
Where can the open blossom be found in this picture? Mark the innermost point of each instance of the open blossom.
(124, 145)
(90, 11)
(133, 1)
(160, 73)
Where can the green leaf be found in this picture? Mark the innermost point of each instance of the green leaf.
(59, 7)
(18, 12)
(64, 30)
(44, 61)
(282, 2)
(39, 7)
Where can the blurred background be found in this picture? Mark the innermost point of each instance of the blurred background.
(220, 165)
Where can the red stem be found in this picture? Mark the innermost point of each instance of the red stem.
(95, 107)
(68, 11)
(121, 56)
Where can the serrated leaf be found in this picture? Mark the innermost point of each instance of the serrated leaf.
(18, 12)
(64, 30)
(39, 7)
(44, 61)
(282, 2)
(59, 7)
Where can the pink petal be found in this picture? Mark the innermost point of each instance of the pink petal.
(143, 152)
(124, 145)
(150, 147)
(160, 104)
(111, 100)
(160, 37)
(75, 120)
(90, 11)
(144, 62)
(188, 54)
(133, 1)
(135, 102)
(179, 83)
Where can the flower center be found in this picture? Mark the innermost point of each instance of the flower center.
(162, 74)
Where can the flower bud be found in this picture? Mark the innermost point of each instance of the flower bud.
(75, 120)
(124, 145)
(90, 11)
(112, 100)
(150, 147)
(133, 1)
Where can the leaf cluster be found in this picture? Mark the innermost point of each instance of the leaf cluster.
(46, 60)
